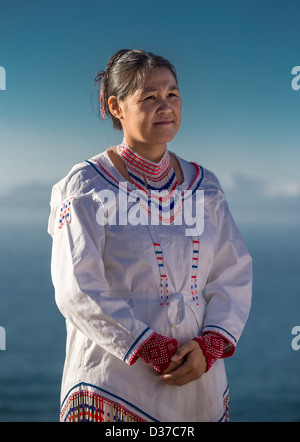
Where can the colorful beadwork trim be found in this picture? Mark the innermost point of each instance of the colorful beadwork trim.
(195, 184)
(164, 285)
(135, 356)
(195, 258)
(146, 174)
(65, 215)
(226, 408)
(128, 358)
(88, 406)
(229, 351)
(102, 169)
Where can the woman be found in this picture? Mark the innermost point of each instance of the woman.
(153, 303)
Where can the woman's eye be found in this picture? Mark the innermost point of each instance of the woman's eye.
(152, 97)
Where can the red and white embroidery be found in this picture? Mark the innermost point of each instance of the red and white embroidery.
(213, 346)
(158, 351)
(146, 174)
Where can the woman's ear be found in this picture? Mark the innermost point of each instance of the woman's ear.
(114, 107)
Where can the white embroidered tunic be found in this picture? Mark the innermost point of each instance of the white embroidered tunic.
(118, 282)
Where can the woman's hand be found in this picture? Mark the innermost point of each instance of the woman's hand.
(187, 364)
(173, 365)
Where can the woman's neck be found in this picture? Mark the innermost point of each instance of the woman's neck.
(150, 152)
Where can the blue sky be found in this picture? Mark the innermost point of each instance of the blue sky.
(234, 61)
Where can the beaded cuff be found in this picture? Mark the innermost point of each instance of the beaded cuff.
(213, 346)
(158, 351)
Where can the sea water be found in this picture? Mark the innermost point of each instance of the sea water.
(263, 375)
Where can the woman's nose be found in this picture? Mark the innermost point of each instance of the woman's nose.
(164, 107)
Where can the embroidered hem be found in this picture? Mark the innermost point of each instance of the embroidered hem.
(226, 408)
(84, 404)
(88, 406)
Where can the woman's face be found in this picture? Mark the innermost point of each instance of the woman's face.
(151, 116)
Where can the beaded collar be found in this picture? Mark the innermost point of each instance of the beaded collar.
(145, 174)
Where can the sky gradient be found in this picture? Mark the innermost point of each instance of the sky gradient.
(234, 61)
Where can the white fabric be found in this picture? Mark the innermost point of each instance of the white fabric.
(107, 285)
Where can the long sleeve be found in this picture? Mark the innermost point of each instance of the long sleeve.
(81, 289)
(228, 289)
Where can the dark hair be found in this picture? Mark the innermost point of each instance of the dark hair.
(126, 72)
